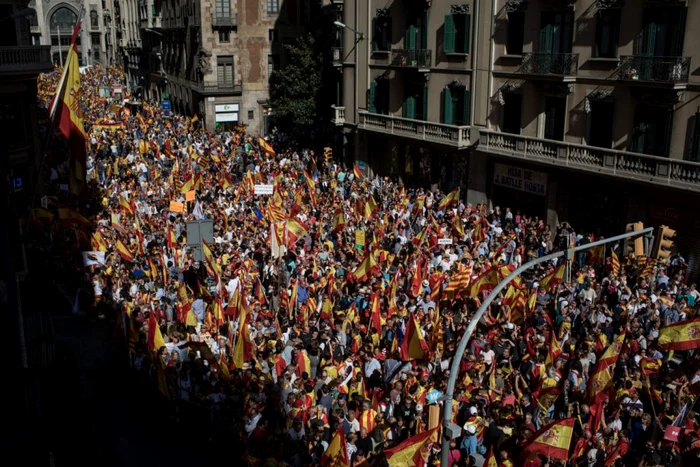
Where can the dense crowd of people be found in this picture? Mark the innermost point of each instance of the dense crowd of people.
(336, 303)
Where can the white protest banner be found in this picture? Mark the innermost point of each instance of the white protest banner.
(264, 189)
(93, 258)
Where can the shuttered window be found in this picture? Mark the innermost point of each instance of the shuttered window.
(224, 71)
(379, 96)
(516, 32)
(456, 33)
(456, 105)
(381, 34)
(607, 33)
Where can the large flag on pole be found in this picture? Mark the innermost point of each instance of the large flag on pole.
(684, 335)
(66, 114)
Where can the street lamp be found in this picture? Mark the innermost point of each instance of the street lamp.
(344, 26)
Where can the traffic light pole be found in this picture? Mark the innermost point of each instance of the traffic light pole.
(454, 367)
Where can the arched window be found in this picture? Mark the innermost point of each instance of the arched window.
(64, 19)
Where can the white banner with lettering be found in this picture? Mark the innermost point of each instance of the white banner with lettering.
(521, 179)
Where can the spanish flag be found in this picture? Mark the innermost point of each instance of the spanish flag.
(124, 252)
(244, 349)
(356, 171)
(367, 268)
(127, 206)
(295, 230)
(649, 366)
(412, 452)
(452, 199)
(599, 385)
(266, 147)
(376, 315)
(553, 279)
(552, 440)
(69, 216)
(684, 335)
(336, 454)
(596, 254)
(65, 114)
(413, 346)
(609, 358)
(491, 459)
(339, 220)
(155, 338)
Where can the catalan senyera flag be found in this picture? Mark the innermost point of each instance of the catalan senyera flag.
(615, 262)
(610, 355)
(367, 268)
(684, 335)
(413, 346)
(552, 440)
(336, 454)
(65, 113)
(356, 171)
(155, 338)
(124, 252)
(266, 147)
(554, 278)
(451, 199)
(412, 452)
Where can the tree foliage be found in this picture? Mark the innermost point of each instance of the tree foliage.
(295, 89)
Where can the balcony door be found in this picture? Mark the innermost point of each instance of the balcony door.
(556, 37)
(415, 104)
(456, 105)
(663, 31)
(417, 31)
(652, 130)
(554, 117)
(602, 120)
(512, 112)
(379, 96)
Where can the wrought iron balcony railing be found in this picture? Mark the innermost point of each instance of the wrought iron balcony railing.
(535, 63)
(224, 21)
(620, 164)
(215, 88)
(451, 135)
(25, 59)
(337, 53)
(418, 58)
(659, 69)
(338, 115)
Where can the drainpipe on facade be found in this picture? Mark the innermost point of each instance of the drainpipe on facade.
(475, 48)
(356, 80)
(491, 53)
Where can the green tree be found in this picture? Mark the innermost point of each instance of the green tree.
(295, 89)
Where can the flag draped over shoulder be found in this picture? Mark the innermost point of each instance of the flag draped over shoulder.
(552, 440)
(412, 452)
(684, 335)
(65, 113)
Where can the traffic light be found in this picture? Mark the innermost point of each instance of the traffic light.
(634, 246)
(664, 242)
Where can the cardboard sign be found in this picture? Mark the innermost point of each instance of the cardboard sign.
(177, 207)
(264, 189)
(444, 241)
(360, 237)
(189, 196)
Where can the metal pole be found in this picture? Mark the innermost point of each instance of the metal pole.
(454, 367)
(60, 48)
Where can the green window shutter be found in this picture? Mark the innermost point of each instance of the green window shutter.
(467, 32)
(411, 37)
(567, 33)
(449, 34)
(385, 43)
(466, 107)
(649, 45)
(447, 106)
(376, 34)
(409, 107)
(372, 97)
(424, 111)
(546, 37)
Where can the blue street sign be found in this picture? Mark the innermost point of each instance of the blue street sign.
(165, 105)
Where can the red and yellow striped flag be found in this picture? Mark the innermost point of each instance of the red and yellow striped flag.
(336, 454)
(554, 278)
(124, 252)
(356, 171)
(599, 385)
(684, 335)
(609, 358)
(451, 199)
(553, 439)
(412, 452)
(266, 147)
(367, 268)
(615, 263)
(413, 346)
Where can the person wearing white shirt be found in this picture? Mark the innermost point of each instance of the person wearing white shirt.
(198, 309)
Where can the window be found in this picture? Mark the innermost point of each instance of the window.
(456, 105)
(512, 112)
(554, 117)
(93, 19)
(416, 32)
(516, 33)
(224, 36)
(415, 104)
(272, 64)
(224, 71)
(652, 128)
(602, 121)
(556, 32)
(273, 6)
(695, 145)
(381, 34)
(663, 32)
(63, 20)
(223, 8)
(251, 115)
(379, 97)
(607, 33)
(272, 35)
(456, 33)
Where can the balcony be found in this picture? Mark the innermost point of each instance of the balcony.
(156, 22)
(224, 21)
(419, 58)
(213, 89)
(25, 60)
(450, 135)
(337, 53)
(338, 115)
(672, 70)
(625, 165)
(555, 65)
(34, 29)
